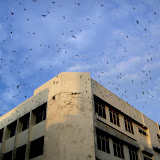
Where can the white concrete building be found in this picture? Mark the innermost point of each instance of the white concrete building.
(72, 117)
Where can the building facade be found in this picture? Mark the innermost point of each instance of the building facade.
(72, 117)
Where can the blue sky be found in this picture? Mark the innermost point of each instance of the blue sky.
(117, 41)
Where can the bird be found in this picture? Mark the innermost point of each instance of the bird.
(44, 16)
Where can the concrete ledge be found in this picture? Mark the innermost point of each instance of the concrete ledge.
(116, 134)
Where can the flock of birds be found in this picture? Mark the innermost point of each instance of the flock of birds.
(114, 85)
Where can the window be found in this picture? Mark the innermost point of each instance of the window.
(114, 117)
(99, 107)
(25, 121)
(8, 156)
(146, 158)
(1, 135)
(36, 147)
(133, 154)
(143, 132)
(102, 141)
(128, 125)
(12, 129)
(20, 153)
(118, 149)
(40, 113)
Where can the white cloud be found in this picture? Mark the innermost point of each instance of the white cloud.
(78, 68)
(152, 66)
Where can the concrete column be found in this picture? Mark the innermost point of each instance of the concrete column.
(126, 152)
(31, 123)
(139, 155)
(3, 143)
(111, 146)
(15, 140)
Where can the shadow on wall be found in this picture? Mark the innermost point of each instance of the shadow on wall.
(69, 128)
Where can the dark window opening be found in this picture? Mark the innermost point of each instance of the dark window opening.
(158, 138)
(128, 125)
(102, 141)
(1, 135)
(133, 154)
(118, 149)
(25, 121)
(8, 156)
(146, 158)
(36, 147)
(114, 117)
(40, 113)
(143, 132)
(20, 153)
(12, 129)
(99, 107)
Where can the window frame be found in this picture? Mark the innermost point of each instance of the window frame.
(128, 125)
(103, 140)
(40, 113)
(100, 107)
(133, 154)
(114, 117)
(118, 149)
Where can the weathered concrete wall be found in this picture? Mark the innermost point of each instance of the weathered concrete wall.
(144, 142)
(69, 124)
(21, 138)
(115, 101)
(153, 130)
(24, 108)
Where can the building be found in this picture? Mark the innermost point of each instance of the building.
(72, 117)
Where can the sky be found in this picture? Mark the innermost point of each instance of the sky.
(117, 41)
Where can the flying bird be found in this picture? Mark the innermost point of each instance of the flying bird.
(74, 37)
